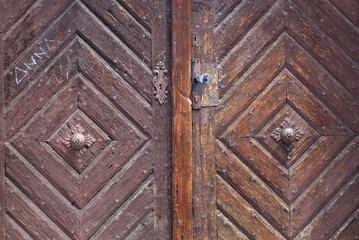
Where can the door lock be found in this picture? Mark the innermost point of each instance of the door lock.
(197, 80)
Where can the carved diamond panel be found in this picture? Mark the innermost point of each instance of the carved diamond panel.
(79, 161)
(287, 156)
(93, 82)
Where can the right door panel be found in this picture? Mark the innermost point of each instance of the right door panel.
(285, 140)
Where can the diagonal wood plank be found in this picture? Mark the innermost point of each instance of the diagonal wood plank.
(257, 158)
(325, 186)
(27, 68)
(242, 214)
(323, 49)
(36, 96)
(110, 120)
(114, 51)
(326, 88)
(238, 22)
(128, 216)
(334, 213)
(251, 84)
(36, 21)
(342, 31)
(14, 231)
(246, 52)
(42, 193)
(255, 116)
(21, 6)
(144, 231)
(316, 159)
(314, 111)
(115, 193)
(141, 10)
(253, 189)
(39, 154)
(222, 8)
(348, 8)
(349, 230)
(125, 26)
(31, 218)
(226, 230)
(113, 85)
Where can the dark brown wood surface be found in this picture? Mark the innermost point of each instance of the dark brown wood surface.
(89, 63)
(276, 60)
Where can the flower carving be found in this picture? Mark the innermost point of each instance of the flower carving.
(77, 140)
(287, 133)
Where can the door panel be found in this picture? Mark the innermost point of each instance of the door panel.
(281, 64)
(87, 144)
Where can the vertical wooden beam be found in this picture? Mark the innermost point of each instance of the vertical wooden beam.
(182, 120)
(161, 52)
(2, 132)
(204, 175)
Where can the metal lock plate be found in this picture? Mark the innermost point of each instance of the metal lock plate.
(197, 80)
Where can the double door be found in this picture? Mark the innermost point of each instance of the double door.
(102, 136)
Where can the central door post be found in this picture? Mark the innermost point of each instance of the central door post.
(182, 120)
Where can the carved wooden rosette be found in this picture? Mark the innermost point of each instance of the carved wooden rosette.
(287, 133)
(160, 82)
(77, 140)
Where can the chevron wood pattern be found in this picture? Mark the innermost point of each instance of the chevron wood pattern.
(276, 60)
(88, 63)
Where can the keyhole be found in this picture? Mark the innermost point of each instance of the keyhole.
(161, 86)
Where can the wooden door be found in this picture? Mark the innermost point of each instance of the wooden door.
(277, 65)
(86, 144)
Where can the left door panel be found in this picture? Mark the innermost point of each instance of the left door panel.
(85, 143)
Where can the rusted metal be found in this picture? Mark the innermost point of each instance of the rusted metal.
(77, 140)
(160, 82)
(197, 80)
(287, 133)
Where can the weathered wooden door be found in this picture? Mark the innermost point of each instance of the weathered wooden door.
(278, 66)
(85, 147)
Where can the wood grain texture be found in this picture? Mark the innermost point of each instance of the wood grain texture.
(250, 85)
(162, 132)
(337, 210)
(30, 217)
(349, 230)
(33, 24)
(323, 188)
(327, 88)
(204, 175)
(87, 63)
(282, 61)
(2, 129)
(227, 230)
(348, 7)
(125, 26)
(123, 219)
(14, 231)
(232, 205)
(21, 7)
(253, 189)
(323, 49)
(238, 22)
(342, 31)
(182, 121)
(246, 52)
